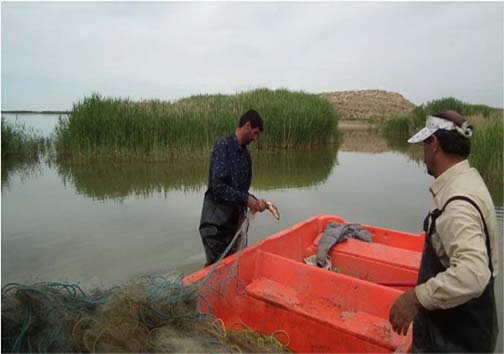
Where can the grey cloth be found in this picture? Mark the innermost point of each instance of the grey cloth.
(336, 232)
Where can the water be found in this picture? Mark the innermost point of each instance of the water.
(43, 123)
(104, 223)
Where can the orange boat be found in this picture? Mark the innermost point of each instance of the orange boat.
(272, 291)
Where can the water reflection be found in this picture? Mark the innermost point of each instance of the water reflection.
(25, 168)
(106, 180)
(294, 169)
(363, 140)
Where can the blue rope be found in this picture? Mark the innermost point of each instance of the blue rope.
(26, 325)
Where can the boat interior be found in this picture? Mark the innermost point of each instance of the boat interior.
(269, 288)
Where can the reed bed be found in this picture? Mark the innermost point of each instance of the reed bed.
(466, 109)
(22, 151)
(18, 141)
(486, 155)
(99, 127)
(486, 143)
(407, 124)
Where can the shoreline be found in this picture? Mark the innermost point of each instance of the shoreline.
(34, 112)
(347, 124)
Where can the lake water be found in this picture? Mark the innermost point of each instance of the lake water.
(106, 223)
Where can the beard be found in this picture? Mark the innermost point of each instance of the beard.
(429, 169)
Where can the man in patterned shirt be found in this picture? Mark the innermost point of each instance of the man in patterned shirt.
(227, 197)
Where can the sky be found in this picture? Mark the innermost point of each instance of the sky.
(53, 54)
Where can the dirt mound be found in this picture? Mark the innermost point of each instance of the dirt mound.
(368, 104)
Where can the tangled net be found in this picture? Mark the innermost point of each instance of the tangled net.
(151, 314)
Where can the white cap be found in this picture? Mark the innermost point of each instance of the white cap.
(433, 124)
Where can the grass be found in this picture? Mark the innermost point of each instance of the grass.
(486, 154)
(407, 124)
(466, 109)
(22, 149)
(21, 142)
(112, 128)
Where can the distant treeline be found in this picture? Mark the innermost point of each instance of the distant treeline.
(100, 127)
(34, 112)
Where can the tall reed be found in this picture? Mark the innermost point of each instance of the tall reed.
(450, 103)
(20, 142)
(22, 150)
(486, 142)
(407, 124)
(486, 154)
(122, 128)
(398, 126)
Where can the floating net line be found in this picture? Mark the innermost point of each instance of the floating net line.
(150, 314)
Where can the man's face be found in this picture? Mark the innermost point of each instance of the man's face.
(428, 148)
(251, 133)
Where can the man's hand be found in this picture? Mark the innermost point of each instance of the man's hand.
(256, 205)
(262, 205)
(253, 204)
(403, 311)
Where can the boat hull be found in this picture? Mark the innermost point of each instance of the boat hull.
(269, 289)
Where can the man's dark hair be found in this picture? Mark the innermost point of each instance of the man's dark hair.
(452, 142)
(253, 117)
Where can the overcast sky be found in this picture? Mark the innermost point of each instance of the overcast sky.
(54, 54)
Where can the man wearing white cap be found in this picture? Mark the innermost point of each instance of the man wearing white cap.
(453, 305)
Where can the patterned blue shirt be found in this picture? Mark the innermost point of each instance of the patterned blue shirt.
(230, 172)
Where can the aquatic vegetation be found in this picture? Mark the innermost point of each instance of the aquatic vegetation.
(22, 150)
(486, 143)
(21, 142)
(486, 155)
(398, 126)
(408, 123)
(113, 128)
(438, 105)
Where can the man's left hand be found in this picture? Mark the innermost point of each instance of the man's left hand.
(403, 311)
(262, 205)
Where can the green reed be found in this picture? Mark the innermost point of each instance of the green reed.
(486, 142)
(99, 127)
(407, 124)
(450, 103)
(21, 142)
(398, 126)
(486, 155)
(22, 150)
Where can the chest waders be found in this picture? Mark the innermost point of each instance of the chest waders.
(470, 327)
(218, 225)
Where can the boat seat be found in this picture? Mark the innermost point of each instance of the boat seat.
(375, 251)
(363, 326)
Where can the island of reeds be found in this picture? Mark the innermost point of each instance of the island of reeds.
(22, 148)
(103, 128)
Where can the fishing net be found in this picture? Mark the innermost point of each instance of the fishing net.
(149, 314)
